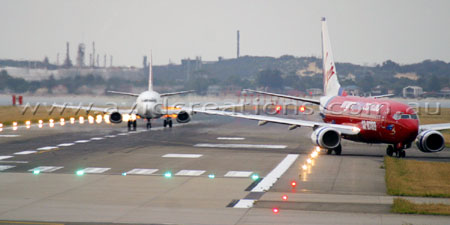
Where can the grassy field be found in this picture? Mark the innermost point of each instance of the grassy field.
(407, 207)
(9, 114)
(417, 178)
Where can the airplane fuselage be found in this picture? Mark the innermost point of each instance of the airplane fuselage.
(380, 120)
(149, 104)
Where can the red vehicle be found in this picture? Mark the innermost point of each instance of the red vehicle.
(368, 120)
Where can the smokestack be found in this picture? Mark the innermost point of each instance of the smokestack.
(104, 61)
(80, 56)
(67, 62)
(98, 60)
(110, 60)
(237, 56)
(93, 54)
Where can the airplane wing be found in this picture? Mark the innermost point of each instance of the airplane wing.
(437, 126)
(176, 93)
(123, 93)
(345, 129)
(314, 101)
(89, 109)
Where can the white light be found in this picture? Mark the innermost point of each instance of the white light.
(317, 149)
(106, 118)
(51, 121)
(133, 117)
(1, 125)
(81, 119)
(304, 167)
(40, 122)
(14, 124)
(91, 119)
(355, 129)
(309, 161)
(28, 124)
(72, 120)
(126, 117)
(62, 121)
(40, 125)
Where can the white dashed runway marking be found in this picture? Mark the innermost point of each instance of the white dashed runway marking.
(244, 203)
(66, 144)
(122, 134)
(5, 157)
(190, 173)
(182, 155)
(276, 173)
(46, 169)
(5, 167)
(46, 148)
(238, 174)
(97, 138)
(231, 138)
(142, 171)
(24, 152)
(110, 136)
(208, 145)
(82, 141)
(95, 170)
(9, 135)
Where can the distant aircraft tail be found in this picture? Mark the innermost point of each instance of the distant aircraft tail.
(331, 86)
(150, 73)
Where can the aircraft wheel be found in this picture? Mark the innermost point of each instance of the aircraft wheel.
(170, 123)
(390, 150)
(134, 125)
(149, 125)
(338, 150)
(129, 125)
(329, 151)
(402, 154)
(165, 123)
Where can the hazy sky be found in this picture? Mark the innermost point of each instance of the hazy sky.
(361, 31)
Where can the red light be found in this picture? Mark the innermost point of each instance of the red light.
(285, 197)
(293, 183)
(302, 108)
(275, 210)
(278, 108)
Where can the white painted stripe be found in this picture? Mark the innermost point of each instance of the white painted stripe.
(231, 138)
(46, 148)
(14, 161)
(95, 170)
(24, 152)
(276, 173)
(82, 141)
(9, 135)
(238, 173)
(244, 203)
(134, 132)
(122, 134)
(142, 171)
(190, 173)
(182, 155)
(208, 145)
(110, 136)
(5, 157)
(97, 138)
(47, 169)
(5, 167)
(65, 144)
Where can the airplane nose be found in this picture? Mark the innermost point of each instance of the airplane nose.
(411, 129)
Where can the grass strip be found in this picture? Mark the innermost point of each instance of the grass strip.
(407, 207)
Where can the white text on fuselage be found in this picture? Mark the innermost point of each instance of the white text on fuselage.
(361, 107)
(369, 125)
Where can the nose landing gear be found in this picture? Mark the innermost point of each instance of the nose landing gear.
(149, 124)
(399, 152)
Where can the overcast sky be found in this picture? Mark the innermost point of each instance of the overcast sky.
(362, 32)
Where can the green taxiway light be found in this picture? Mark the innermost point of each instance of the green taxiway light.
(168, 174)
(211, 176)
(80, 173)
(255, 176)
(124, 174)
(36, 172)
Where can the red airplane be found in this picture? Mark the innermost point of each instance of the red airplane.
(360, 119)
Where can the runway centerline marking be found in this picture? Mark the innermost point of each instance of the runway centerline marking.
(210, 145)
(190, 173)
(231, 138)
(5, 157)
(275, 174)
(5, 167)
(66, 144)
(110, 136)
(238, 174)
(24, 152)
(95, 170)
(47, 169)
(9, 135)
(46, 148)
(82, 141)
(182, 155)
(142, 171)
(97, 138)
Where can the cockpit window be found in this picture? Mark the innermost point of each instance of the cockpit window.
(414, 116)
(149, 100)
(398, 116)
(405, 116)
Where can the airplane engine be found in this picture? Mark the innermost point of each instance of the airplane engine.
(326, 137)
(430, 141)
(115, 117)
(183, 117)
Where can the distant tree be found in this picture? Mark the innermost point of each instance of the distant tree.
(433, 84)
(270, 78)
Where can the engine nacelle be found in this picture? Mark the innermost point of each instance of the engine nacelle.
(326, 137)
(115, 117)
(183, 117)
(430, 141)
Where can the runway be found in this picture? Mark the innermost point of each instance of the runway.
(209, 171)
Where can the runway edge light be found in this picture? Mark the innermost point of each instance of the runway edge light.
(168, 174)
(36, 172)
(80, 172)
(255, 176)
(211, 176)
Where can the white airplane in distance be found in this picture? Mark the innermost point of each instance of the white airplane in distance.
(149, 105)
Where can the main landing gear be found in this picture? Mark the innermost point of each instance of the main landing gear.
(337, 150)
(168, 122)
(132, 125)
(399, 152)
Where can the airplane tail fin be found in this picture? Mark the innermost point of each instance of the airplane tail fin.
(331, 86)
(150, 73)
